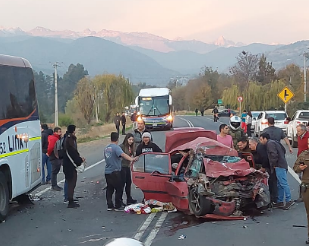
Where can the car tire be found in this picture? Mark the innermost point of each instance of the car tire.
(199, 204)
(4, 197)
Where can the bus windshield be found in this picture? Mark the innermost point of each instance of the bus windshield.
(154, 106)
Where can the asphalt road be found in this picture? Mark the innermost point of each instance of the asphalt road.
(49, 222)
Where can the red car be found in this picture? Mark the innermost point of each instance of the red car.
(201, 176)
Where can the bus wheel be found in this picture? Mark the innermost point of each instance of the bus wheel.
(4, 197)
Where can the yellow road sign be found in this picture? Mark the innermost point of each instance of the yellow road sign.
(286, 95)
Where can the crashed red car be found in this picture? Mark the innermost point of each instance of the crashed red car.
(201, 176)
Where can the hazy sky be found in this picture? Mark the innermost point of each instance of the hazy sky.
(268, 21)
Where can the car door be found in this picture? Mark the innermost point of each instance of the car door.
(150, 173)
(177, 187)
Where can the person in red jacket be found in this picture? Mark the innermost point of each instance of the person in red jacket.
(302, 140)
(56, 163)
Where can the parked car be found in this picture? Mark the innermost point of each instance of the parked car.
(262, 121)
(209, 181)
(226, 113)
(300, 117)
(255, 115)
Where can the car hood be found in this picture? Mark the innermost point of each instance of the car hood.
(183, 138)
(209, 146)
(216, 169)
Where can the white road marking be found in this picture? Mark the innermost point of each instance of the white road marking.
(156, 229)
(144, 227)
(294, 175)
(188, 122)
(62, 181)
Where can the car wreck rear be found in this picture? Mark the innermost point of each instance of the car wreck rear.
(209, 180)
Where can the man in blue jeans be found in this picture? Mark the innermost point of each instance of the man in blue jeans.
(279, 165)
(45, 157)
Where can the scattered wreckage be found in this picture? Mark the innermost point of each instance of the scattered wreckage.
(201, 176)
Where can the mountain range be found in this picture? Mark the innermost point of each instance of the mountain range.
(142, 57)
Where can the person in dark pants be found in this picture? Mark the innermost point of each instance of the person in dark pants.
(69, 169)
(117, 120)
(196, 111)
(113, 154)
(215, 111)
(202, 112)
(260, 156)
(129, 148)
(45, 157)
(56, 163)
(123, 123)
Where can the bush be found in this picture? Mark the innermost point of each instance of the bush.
(65, 120)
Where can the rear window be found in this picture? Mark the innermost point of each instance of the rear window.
(304, 115)
(276, 116)
(255, 115)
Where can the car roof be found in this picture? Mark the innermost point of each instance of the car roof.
(274, 111)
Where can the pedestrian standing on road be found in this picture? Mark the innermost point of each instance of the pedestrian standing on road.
(249, 123)
(117, 121)
(138, 132)
(133, 119)
(223, 136)
(196, 111)
(56, 162)
(128, 147)
(302, 141)
(202, 112)
(113, 154)
(147, 145)
(277, 133)
(301, 166)
(279, 165)
(259, 152)
(243, 121)
(69, 169)
(215, 111)
(235, 130)
(123, 123)
(45, 158)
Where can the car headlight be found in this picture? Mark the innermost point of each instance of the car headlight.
(169, 118)
(139, 118)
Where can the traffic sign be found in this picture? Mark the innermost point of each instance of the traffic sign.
(220, 101)
(239, 99)
(286, 95)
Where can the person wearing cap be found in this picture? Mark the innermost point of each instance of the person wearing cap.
(138, 132)
(147, 145)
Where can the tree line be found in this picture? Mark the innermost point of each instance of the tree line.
(252, 77)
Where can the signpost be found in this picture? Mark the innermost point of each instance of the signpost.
(239, 99)
(220, 101)
(285, 95)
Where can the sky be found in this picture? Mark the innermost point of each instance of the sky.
(247, 21)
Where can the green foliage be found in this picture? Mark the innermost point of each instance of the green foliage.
(65, 120)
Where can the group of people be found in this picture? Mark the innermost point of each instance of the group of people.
(268, 154)
(118, 159)
(120, 120)
(57, 151)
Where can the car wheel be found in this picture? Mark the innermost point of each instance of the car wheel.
(199, 204)
(4, 197)
(294, 143)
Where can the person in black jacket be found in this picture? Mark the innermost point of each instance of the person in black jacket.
(117, 120)
(70, 146)
(139, 131)
(259, 152)
(147, 145)
(279, 165)
(123, 123)
(45, 157)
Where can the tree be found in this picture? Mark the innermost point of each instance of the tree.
(266, 73)
(245, 69)
(211, 77)
(84, 94)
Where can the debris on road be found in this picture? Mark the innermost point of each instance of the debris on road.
(150, 206)
(181, 237)
(300, 226)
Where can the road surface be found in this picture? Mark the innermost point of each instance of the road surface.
(49, 222)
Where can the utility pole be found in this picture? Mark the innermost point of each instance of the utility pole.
(305, 79)
(56, 65)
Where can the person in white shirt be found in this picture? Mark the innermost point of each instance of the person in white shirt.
(249, 123)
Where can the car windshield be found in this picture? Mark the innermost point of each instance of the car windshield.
(223, 159)
(276, 116)
(304, 115)
(255, 114)
(154, 106)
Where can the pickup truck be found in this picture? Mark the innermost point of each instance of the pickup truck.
(300, 117)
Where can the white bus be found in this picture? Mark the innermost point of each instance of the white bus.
(20, 132)
(155, 107)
